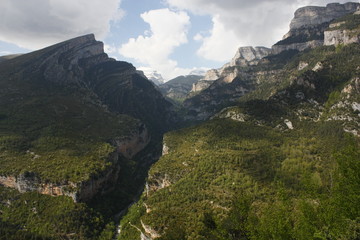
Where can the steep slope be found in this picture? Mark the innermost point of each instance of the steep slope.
(280, 162)
(63, 132)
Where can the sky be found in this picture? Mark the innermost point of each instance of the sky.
(173, 37)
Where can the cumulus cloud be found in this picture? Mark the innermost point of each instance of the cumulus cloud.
(242, 23)
(168, 30)
(38, 23)
(219, 43)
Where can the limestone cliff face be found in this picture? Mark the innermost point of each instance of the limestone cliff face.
(339, 33)
(308, 26)
(130, 146)
(67, 61)
(246, 56)
(337, 37)
(79, 192)
(201, 85)
(311, 16)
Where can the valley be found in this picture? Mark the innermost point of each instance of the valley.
(265, 147)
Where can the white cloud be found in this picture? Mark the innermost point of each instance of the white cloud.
(38, 23)
(242, 23)
(168, 30)
(219, 44)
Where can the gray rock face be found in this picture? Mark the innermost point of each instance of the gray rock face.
(211, 75)
(246, 56)
(201, 85)
(311, 16)
(337, 37)
(276, 49)
(309, 24)
(69, 60)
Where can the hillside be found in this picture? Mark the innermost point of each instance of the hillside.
(278, 157)
(90, 148)
(69, 126)
(263, 68)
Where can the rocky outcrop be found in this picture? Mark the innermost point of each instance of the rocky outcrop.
(201, 85)
(130, 146)
(157, 182)
(79, 192)
(150, 232)
(344, 37)
(340, 32)
(309, 24)
(246, 56)
(211, 75)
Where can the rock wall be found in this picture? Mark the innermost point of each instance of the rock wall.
(310, 16)
(276, 49)
(79, 192)
(309, 24)
(246, 56)
(68, 60)
(130, 146)
(201, 85)
(337, 37)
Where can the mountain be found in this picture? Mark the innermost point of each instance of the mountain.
(308, 26)
(274, 153)
(7, 57)
(152, 75)
(179, 88)
(278, 154)
(74, 124)
(250, 66)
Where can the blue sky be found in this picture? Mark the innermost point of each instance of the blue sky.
(173, 37)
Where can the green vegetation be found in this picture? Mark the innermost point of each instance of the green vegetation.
(231, 180)
(348, 22)
(259, 180)
(58, 131)
(63, 139)
(36, 216)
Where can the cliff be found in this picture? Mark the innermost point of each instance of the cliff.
(308, 26)
(246, 56)
(312, 16)
(345, 30)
